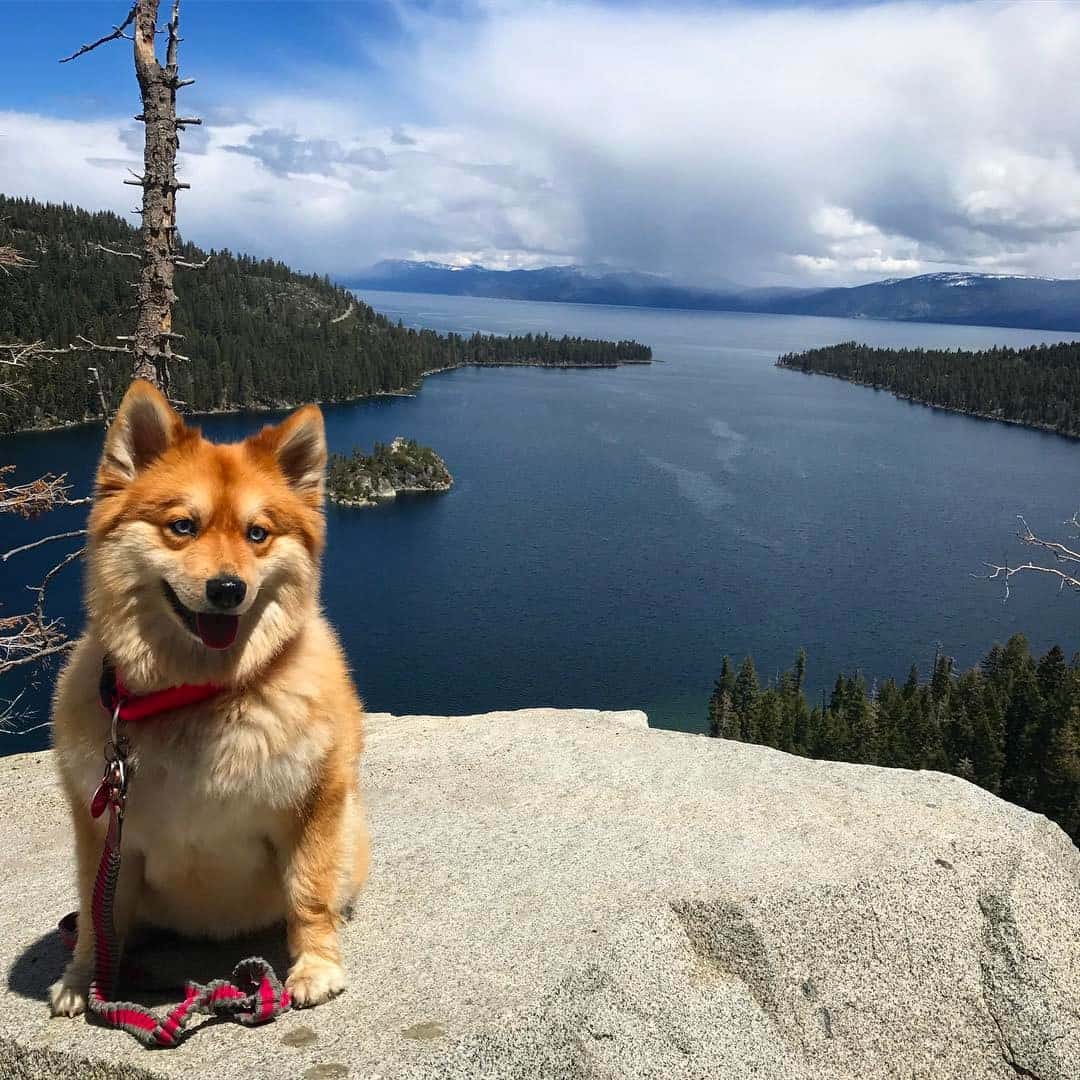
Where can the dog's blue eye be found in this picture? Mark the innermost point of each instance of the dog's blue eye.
(257, 534)
(183, 527)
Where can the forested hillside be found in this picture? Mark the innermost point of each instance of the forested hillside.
(1011, 725)
(256, 332)
(1038, 386)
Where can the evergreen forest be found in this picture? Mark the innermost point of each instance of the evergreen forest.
(257, 333)
(1038, 386)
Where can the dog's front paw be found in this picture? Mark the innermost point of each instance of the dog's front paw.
(67, 996)
(314, 980)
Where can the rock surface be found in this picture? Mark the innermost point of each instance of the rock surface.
(568, 894)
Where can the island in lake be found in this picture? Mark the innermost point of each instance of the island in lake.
(388, 471)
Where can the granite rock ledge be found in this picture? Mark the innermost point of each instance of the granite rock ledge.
(570, 894)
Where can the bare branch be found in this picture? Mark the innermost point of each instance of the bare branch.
(84, 344)
(1058, 550)
(36, 497)
(9, 710)
(10, 259)
(37, 543)
(1003, 572)
(113, 251)
(21, 353)
(66, 561)
(31, 638)
(28, 647)
(7, 718)
(117, 32)
(1006, 572)
(179, 261)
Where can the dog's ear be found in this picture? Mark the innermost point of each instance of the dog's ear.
(298, 444)
(146, 425)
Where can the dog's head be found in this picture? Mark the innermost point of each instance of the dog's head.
(203, 558)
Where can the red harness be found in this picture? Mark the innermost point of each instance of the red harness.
(254, 993)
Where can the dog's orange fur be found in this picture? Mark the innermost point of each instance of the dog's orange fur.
(243, 810)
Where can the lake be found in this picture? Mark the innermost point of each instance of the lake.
(613, 533)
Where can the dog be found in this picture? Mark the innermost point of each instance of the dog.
(202, 567)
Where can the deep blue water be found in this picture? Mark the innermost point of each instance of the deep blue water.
(612, 534)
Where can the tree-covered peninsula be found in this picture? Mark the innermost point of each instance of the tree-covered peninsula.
(1011, 725)
(258, 334)
(1037, 386)
(403, 466)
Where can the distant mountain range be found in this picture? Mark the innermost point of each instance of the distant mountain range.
(975, 299)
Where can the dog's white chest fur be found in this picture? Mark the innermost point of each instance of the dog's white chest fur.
(210, 804)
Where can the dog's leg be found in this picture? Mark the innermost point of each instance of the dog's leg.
(67, 996)
(320, 862)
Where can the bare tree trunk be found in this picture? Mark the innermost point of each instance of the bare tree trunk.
(153, 337)
(151, 342)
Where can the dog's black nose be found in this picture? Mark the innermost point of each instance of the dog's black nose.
(225, 591)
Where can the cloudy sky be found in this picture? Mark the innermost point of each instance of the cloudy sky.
(760, 143)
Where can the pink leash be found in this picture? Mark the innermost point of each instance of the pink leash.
(252, 995)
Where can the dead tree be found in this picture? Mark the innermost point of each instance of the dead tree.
(30, 638)
(1068, 557)
(151, 343)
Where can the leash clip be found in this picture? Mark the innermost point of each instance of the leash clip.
(116, 749)
(114, 781)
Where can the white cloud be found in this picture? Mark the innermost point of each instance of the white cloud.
(767, 146)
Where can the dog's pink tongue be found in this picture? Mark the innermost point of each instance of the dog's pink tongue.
(216, 631)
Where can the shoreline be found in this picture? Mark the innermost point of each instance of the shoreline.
(366, 504)
(956, 410)
(409, 390)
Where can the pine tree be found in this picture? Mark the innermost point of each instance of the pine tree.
(800, 671)
(860, 724)
(744, 699)
(1055, 688)
(721, 714)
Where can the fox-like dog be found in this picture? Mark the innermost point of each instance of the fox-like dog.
(244, 810)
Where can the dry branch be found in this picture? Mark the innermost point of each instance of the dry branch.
(10, 259)
(37, 496)
(1061, 553)
(117, 32)
(179, 262)
(113, 251)
(23, 641)
(38, 543)
(31, 637)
